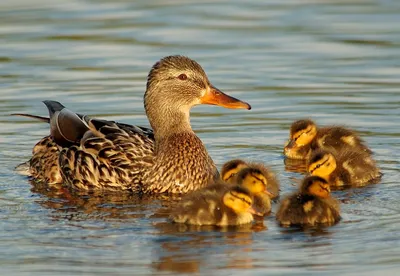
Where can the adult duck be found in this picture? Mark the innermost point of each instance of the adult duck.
(92, 154)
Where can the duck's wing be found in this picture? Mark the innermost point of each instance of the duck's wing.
(93, 153)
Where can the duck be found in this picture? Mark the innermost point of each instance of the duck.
(305, 137)
(348, 168)
(90, 154)
(257, 183)
(310, 206)
(229, 207)
(231, 169)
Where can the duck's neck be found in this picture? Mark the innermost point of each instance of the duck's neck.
(167, 121)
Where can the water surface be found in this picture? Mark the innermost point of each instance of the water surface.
(335, 61)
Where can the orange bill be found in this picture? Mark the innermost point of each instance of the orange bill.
(290, 145)
(254, 212)
(268, 193)
(215, 96)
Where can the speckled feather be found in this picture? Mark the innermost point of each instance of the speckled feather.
(205, 207)
(300, 209)
(353, 169)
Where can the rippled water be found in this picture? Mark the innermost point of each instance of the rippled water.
(335, 61)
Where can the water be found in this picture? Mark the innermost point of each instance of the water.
(335, 61)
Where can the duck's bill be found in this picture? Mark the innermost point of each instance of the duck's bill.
(254, 212)
(215, 96)
(268, 193)
(290, 145)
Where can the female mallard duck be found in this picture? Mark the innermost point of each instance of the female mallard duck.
(347, 168)
(230, 206)
(230, 171)
(311, 205)
(93, 154)
(305, 137)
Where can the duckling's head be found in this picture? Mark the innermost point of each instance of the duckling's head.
(231, 168)
(302, 133)
(321, 163)
(316, 186)
(239, 200)
(177, 83)
(253, 180)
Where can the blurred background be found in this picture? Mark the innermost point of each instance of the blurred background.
(335, 61)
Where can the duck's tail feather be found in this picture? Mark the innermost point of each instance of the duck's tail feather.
(23, 169)
(40, 118)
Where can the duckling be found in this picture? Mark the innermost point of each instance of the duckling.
(311, 205)
(305, 137)
(205, 207)
(257, 182)
(231, 169)
(346, 168)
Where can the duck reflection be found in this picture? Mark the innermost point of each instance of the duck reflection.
(186, 248)
(78, 206)
(295, 165)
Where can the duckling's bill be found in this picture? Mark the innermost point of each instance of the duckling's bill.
(214, 96)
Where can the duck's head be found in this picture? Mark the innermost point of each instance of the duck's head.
(316, 186)
(239, 200)
(253, 180)
(302, 133)
(174, 85)
(230, 169)
(322, 163)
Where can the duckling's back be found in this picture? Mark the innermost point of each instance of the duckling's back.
(338, 139)
(357, 169)
(300, 209)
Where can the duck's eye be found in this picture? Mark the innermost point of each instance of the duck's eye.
(319, 165)
(182, 77)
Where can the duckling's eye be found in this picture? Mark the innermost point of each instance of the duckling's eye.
(319, 165)
(182, 77)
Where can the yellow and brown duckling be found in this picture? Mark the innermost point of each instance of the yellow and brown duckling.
(310, 206)
(348, 168)
(305, 137)
(231, 169)
(257, 183)
(92, 154)
(221, 208)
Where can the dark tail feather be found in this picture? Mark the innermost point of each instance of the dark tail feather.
(40, 118)
(53, 107)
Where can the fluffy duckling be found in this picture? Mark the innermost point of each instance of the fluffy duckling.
(204, 207)
(255, 180)
(347, 168)
(230, 171)
(311, 205)
(305, 137)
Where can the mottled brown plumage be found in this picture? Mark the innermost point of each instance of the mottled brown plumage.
(92, 154)
(231, 206)
(310, 206)
(305, 137)
(348, 168)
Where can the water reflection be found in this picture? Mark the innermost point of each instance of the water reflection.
(184, 247)
(77, 206)
(295, 165)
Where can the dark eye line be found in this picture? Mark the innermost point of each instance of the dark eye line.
(323, 188)
(319, 165)
(259, 179)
